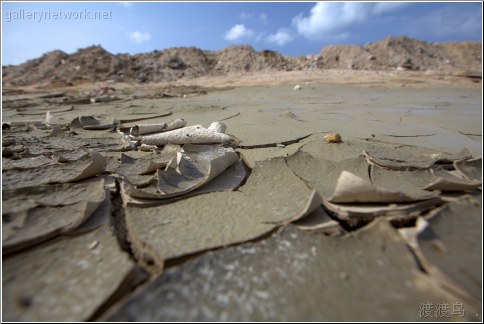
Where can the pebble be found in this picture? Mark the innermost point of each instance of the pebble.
(333, 138)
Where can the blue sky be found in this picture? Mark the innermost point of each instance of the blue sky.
(31, 29)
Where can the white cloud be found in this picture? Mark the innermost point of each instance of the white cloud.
(238, 32)
(263, 19)
(139, 37)
(281, 38)
(126, 4)
(329, 18)
(383, 7)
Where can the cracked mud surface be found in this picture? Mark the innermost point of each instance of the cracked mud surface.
(297, 230)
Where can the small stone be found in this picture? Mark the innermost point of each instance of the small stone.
(93, 245)
(333, 138)
(297, 87)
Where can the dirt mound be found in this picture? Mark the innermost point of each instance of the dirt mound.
(96, 64)
(346, 57)
(406, 53)
(244, 58)
(463, 55)
(168, 65)
(88, 64)
(36, 70)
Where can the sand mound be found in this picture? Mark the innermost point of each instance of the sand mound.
(244, 58)
(406, 53)
(96, 64)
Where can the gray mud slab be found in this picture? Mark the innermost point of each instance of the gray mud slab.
(410, 158)
(100, 217)
(401, 180)
(65, 142)
(251, 156)
(444, 141)
(35, 214)
(90, 165)
(470, 169)
(15, 200)
(27, 163)
(275, 130)
(271, 196)
(453, 244)
(31, 227)
(409, 182)
(293, 276)
(322, 174)
(64, 280)
(353, 147)
(337, 152)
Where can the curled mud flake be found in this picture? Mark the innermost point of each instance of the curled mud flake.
(143, 129)
(470, 169)
(451, 181)
(218, 127)
(192, 134)
(350, 188)
(93, 123)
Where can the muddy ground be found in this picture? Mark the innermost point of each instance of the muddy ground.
(384, 226)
